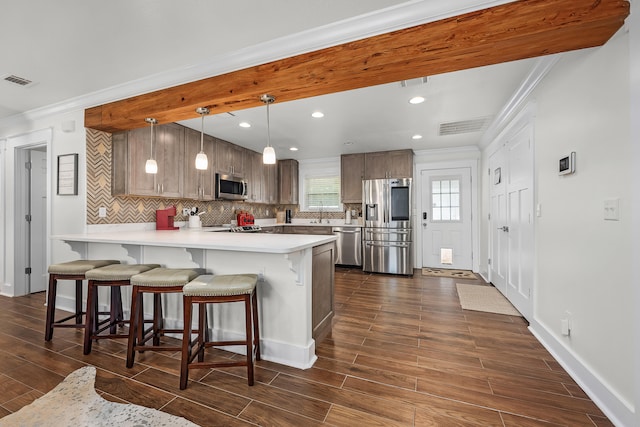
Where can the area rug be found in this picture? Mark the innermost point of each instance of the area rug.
(484, 298)
(74, 402)
(445, 272)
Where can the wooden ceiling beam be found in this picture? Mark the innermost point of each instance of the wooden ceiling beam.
(513, 31)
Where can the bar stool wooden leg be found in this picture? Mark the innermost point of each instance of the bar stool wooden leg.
(91, 317)
(136, 323)
(79, 301)
(249, 337)
(51, 308)
(186, 343)
(256, 328)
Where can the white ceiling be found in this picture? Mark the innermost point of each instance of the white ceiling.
(74, 48)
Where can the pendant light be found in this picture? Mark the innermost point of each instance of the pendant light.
(201, 159)
(151, 166)
(268, 154)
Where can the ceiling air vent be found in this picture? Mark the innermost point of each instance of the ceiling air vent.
(463, 126)
(17, 80)
(413, 82)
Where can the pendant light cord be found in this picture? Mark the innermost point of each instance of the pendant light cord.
(202, 134)
(268, 127)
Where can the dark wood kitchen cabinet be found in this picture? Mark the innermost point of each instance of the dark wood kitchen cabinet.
(270, 183)
(229, 159)
(288, 182)
(254, 176)
(351, 176)
(130, 151)
(198, 184)
(322, 289)
(388, 164)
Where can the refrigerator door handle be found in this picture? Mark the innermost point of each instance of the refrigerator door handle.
(387, 244)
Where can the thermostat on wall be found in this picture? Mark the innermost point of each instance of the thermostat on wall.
(567, 164)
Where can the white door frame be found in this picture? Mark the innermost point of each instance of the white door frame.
(15, 283)
(475, 216)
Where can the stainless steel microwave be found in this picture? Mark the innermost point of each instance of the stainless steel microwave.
(230, 187)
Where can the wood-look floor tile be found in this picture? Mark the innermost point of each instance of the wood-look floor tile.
(11, 389)
(264, 415)
(201, 414)
(382, 375)
(272, 395)
(349, 417)
(362, 401)
(456, 410)
(511, 420)
(312, 374)
(14, 405)
(212, 397)
(106, 361)
(131, 390)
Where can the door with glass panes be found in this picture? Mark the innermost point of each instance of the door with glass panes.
(445, 219)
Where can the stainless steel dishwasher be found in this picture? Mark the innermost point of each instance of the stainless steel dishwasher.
(348, 245)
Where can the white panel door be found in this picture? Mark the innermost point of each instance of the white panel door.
(446, 218)
(519, 152)
(499, 242)
(511, 220)
(38, 234)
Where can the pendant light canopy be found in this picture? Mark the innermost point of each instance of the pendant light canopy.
(268, 154)
(201, 159)
(151, 166)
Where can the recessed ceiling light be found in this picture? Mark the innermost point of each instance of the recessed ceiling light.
(416, 136)
(293, 149)
(317, 114)
(416, 100)
(244, 125)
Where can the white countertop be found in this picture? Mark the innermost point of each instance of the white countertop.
(243, 242)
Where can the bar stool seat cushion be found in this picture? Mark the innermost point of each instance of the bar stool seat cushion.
(209, 285)
(168, 277)
(116, 272)
(80, 266)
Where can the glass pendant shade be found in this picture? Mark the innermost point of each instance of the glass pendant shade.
(202, 163)
(269, 156)
(151, 166)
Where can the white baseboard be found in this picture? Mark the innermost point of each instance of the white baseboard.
(619, 412)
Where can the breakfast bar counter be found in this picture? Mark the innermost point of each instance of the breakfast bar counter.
(295, 291)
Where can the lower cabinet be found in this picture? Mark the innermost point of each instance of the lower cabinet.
(322, 283)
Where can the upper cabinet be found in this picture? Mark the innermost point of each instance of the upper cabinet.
(132, 149)
(288, 182)
(388, 164)
(269, 183)
(198, 184)
(254, 176)
(351, 176)
(380, 164)
(229, 159)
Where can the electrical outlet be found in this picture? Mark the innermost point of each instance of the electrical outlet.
(185, 211)
(102, 212)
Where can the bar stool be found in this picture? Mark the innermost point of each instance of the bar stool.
(209, 289)
(114, 276)
(72, 270)
(157, 282)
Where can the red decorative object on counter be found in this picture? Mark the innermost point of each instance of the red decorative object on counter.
(164, 218)
(244, 218)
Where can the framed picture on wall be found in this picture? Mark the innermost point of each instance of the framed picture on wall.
(68, 175)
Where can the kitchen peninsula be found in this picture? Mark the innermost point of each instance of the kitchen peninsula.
(295, 293)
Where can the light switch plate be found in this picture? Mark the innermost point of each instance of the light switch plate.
(612, 209)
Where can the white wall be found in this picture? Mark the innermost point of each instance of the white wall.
(633, 23)
(584, 263)
(67, 213)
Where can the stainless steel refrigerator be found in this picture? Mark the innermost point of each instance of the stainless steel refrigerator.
(387, 239)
